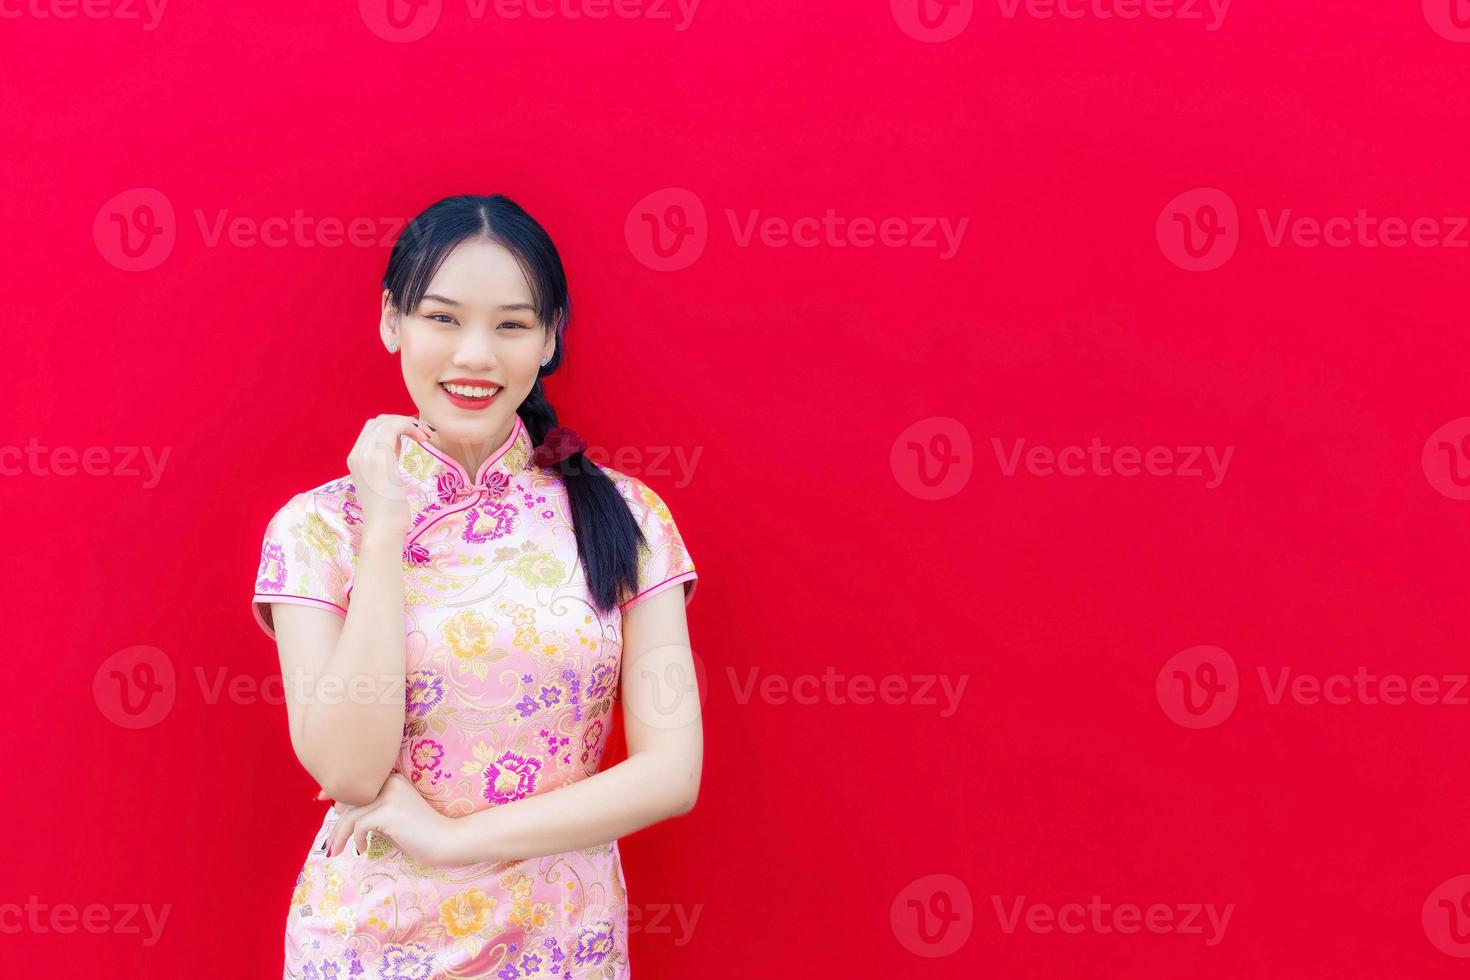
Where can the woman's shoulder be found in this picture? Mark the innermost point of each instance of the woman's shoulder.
(333, 504)
(643, 500)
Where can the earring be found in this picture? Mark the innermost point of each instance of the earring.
(393, 347)
(545, 361)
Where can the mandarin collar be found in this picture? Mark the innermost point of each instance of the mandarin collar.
(438, 480)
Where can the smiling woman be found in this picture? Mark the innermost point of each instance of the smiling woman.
(492, 585)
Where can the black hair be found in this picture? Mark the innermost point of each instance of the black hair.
(608, 536)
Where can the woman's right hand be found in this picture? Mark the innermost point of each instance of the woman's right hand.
(373, 464)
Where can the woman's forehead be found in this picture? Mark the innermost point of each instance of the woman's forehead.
(482, 275)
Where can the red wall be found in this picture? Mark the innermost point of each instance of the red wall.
(857, 505)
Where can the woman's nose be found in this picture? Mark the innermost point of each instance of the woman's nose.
(475, 352)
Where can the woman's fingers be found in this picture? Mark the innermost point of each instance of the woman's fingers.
(349, 824)
(374, 466)
(360, 833)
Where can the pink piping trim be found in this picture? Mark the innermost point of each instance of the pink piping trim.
(649, 592)
(479, 494)
(269, 597)
(515, 432)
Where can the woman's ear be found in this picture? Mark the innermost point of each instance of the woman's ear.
(388, 324)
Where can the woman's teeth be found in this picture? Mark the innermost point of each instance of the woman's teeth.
(464, 391)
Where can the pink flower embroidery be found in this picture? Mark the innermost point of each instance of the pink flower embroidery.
(511, 777)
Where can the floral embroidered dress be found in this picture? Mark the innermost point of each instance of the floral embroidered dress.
(512, 674)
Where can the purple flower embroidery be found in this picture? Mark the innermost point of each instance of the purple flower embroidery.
(351, 512)
(511, 777)
(507, 972)
(599, 681)
(551, 695)
(488, 521)
(527, 706)
(423, 515)
(594, 944)
(425, 691)
(272, 575)
(410, 961)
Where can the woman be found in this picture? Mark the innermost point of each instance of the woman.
(455, 619)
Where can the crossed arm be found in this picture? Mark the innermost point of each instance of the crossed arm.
(658, 780)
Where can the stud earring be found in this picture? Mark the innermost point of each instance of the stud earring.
(393, 347)
(545, 361)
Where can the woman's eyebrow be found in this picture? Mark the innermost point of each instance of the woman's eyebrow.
(432, 298)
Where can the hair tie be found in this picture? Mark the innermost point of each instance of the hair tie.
(559, 443)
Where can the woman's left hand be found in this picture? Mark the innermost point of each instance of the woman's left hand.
(399, 812)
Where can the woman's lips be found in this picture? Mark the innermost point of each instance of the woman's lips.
(471, 403)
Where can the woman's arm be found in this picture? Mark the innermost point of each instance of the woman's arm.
(658, 780)
(344, 678)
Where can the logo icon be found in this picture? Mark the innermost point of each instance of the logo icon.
(399, 21)
(932, 21)
(1198, 687)
(135, 687)
(1446, 459)
(1446, 916)
(1199, 230)
(933, 458)
(667, 230)
(135, 230)
(1449, 18)
(933, 916)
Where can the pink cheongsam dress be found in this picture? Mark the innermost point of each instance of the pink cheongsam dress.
(512, 674)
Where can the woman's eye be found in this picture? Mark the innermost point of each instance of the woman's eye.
(518, 326)
(435, 317)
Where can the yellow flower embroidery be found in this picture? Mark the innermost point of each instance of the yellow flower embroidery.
(466, 913)
(318, 536)
(468, 634)
(655, 504)
(519, 886)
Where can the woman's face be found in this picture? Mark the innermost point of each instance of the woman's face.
(476, 325)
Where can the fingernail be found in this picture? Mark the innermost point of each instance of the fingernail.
(355, 851)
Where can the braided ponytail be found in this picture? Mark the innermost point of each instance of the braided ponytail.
(607, 535)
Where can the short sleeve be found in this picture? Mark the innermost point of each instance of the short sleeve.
(663, 560)
(304, 559)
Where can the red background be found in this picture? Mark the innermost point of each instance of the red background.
(793, 370)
